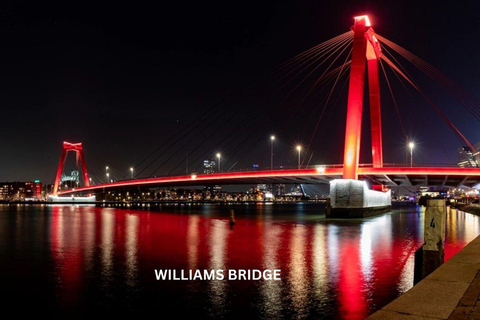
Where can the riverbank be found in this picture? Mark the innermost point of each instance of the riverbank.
(450, 292)
(472, 208)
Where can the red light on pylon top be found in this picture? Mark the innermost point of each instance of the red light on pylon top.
(72, 146)
(364, 17)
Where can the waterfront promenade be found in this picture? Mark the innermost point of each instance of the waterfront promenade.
(450, 292)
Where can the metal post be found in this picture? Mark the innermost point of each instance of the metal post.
(271, 153)
(299, 150)
(411, 157)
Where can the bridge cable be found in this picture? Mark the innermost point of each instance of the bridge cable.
(249, 121)
(470, 102)
(449, 123)
(197, 148)
(409, 93)
(328, 98)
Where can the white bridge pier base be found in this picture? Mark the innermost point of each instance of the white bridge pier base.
(351, 198)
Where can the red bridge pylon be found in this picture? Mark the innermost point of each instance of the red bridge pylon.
(77, 148)
(365, 48)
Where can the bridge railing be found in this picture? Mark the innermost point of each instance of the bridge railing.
(334, 165)
(340, 165)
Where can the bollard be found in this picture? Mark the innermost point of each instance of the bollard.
(431, 255)
(328, 207)
(232, 219)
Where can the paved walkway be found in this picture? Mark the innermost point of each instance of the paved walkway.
(450, 292)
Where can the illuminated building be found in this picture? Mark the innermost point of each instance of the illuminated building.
(467, 158)
(209, 166)
(71, 181)
(30, 190)
(6, 190)
(280, 189)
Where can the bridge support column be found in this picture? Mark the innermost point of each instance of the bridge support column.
(353, 126)
(77, 148)
(375, 113)
(365, 48)
(351, 198)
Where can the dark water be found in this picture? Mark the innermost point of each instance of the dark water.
(76, 261)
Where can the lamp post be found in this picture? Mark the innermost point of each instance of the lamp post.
(299, 148)
(272, 138)
(411, 145)
(131, 171)
(108, 177)
(218, 156)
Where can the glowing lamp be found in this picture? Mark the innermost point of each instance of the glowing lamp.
(365, 17)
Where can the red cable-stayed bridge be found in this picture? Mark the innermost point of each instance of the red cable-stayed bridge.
(366, 55)
(387, 176)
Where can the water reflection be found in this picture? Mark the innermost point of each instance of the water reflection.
(131, 249)
(271, 291)
(297, 269)
(107, 245)
(217, 242)
(320, 276)
(103, 259)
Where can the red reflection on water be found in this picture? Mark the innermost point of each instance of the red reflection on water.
(351, 282)
(461, 229)
(67, 256)
(328, 269)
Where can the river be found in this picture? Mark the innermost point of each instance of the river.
(71, 261)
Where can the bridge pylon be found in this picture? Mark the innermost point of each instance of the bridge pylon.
(365, 48)
(78, 149)
(349, 197)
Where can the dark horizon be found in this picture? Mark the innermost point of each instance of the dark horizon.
(123, 80)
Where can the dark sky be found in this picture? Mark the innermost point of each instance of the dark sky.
(129, 79)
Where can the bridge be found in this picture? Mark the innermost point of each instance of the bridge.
(366, 55)
(386, 176)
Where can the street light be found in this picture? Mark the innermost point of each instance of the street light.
(108, 177)
(131, 171)
(218, 156)
(299, 148)
(411, 145)
(272, 138)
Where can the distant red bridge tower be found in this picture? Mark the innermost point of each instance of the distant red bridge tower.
(365, 48)
(77, 148)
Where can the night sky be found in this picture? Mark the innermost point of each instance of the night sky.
(181, 81)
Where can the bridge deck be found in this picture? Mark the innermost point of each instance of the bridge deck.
(389, 176)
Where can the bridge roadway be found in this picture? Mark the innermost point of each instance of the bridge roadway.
(388, 176)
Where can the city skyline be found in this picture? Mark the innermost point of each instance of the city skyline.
(124, 80)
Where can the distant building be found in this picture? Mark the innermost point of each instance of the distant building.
(33, 190)
(212, 189)
(30, 190)
(280, 189)
(262, 187)
(209, 166)
(71, 181)
(468, 158)
(6, 190)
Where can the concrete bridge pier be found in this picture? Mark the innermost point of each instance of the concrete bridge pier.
(350, 198)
